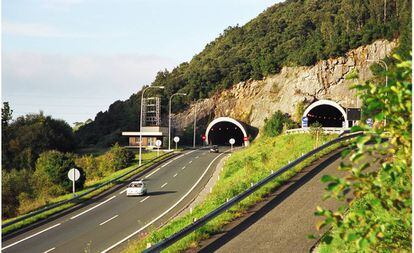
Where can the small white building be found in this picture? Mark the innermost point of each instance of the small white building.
(149, 136)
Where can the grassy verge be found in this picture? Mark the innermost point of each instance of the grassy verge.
(360, 205)
(243, 168)
(147, 157)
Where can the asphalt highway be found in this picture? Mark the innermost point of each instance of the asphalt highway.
(107, 224)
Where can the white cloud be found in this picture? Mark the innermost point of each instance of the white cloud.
(34, 81)
(38, 30)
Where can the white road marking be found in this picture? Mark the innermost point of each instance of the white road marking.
(162, 186)
(144, 199)
(197, 157)
(190, 161)
(152, 173)
(123, 191)
(108, 220)
(183, 168)
(162, 166)
(76, 216)
(49, 250)
(175, 174)
(24, 239)
(165, 212)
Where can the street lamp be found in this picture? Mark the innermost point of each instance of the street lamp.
(140, 122)
(382, 63)
(169, 117)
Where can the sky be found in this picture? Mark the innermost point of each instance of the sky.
(73, 58)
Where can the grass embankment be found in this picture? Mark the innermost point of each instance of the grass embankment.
(243, 168)
(146, 159)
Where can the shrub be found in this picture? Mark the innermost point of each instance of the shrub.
(89, 164)
(276, 123)
(13, 184)
(51, 171)
(115, 159)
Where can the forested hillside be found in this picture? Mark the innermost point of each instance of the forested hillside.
(287, 34)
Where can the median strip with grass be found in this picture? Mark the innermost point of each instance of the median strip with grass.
(148, 160)
(243, 168)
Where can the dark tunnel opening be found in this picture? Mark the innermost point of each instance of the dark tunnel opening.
(327, 115)
(221, 132)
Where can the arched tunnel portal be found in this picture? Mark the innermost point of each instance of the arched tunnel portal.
(222, 129)
(327, 113)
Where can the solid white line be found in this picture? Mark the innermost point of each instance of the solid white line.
(108, 220)
(144, 199)
(123, 191)
(49, 250)
(24, 239)
(92, 208)
(175, 174)
(190, 161)
(152, 173)
(165, 212)
(166, 164)
(162, 186)
(183, 168)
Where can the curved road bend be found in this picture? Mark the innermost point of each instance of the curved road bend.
(283, 222)
(104, 225)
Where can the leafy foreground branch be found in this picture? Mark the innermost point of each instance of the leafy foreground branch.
(379, 174)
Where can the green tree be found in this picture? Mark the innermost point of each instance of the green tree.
(52, 169)
(379, 218)
(276, 123)
(30, 135)
(13, 184)
(6, 114)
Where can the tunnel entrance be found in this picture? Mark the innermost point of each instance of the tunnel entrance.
(222, 132)
(328, 113)
(222, 129)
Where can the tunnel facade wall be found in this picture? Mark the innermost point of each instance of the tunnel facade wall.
(328, 103)
(229, 120)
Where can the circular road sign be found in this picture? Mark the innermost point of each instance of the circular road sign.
(73, 172)
(176, 139)
(232, 141)
(158, 143)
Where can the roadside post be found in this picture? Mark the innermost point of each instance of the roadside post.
(305, 121)
(370, 122)
(74, 175)
(176, 140)
(158, 144)
(232, 141)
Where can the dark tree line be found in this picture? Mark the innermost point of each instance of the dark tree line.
(287, 34)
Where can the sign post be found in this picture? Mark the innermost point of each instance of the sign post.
(176, 140)
(158, 144)
(305, 121)
(74, 175)
(369, 122)
(232, 141)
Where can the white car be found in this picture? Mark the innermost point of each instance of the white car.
(136, 188)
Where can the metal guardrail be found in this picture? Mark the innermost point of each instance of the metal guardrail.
(52, 206)
(236, 199)
(328, 130)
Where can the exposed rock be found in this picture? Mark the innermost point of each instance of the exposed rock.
(254, 101)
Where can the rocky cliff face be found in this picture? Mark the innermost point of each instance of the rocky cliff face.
(254, 101)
